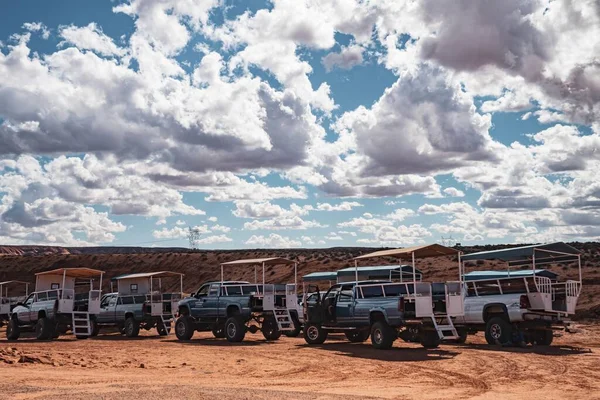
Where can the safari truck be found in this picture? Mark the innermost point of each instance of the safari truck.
(386, 310)
(231, 308)
(11, 293)
(64, 299)
(141, 303)
(531, 303)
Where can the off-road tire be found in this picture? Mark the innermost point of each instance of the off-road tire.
(13, 330)
(314, 334)
(160, 328)
(269, 328)
(382, 335)
(498, 330)
(43, 329)
(95, 328)
(235, 329)
(462, 335)
(218, 331)
(184, 328)
(357, 336)
(297, 328)
(543, 337)
(132, 327)
(430, 339)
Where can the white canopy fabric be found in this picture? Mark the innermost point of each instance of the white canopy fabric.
(428, 250)
(159, 274)
(261, 261)
(73, 272)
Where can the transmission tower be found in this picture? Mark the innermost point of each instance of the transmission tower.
(448, 242)
(194, 237)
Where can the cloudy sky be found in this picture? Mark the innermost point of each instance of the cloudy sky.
(291, 123)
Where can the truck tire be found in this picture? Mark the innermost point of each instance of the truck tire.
(462, 335)
(269, 328)
(357, 336)
(43, 329)
(132, 327)
(160, 328)
(235, 329)
(497, 331)
(543, 337)
(314, 334)
(218, 331)
(297, 328)
(184, 328)
(430, 339)
(382, 335)
(13, 330)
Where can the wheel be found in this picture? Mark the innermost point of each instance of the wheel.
(13, 331)
(43, 329)
(218, 331)
(430, 339)
(269, 328)
(184, 328)
(543, 337)
(497, 331)
(55, 331)
(132, 327)
(462, 335)
(161, 330)
(235, 329)
(314, 334)
(95, 328)
(357, 336)
(122, 329)
(382, 335)
(297, 328)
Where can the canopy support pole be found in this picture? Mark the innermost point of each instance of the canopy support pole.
(221, 274)
(181, 284)
(255, 278)
(355, 270)
(579, 264)
(263, 267)
(63, 286)
(414, 272)
(401, 270)
(100, 288)
(296, 277)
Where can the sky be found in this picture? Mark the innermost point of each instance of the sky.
(299, 123)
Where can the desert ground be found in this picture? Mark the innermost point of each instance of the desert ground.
(151, 367)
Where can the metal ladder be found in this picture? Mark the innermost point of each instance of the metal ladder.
(167, 323)
(284, 319)
(81, 324)
(445, 327)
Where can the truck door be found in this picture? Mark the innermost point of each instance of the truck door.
(329, 304)
(344, 309)
(197, 307)
(211, 302)
(107, 309)
(24, 313)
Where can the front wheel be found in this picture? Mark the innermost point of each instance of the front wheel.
(357, 336)
(132, 327)
(269, 328)
(13, 330)
(497, 331)
(382, 335)
(184, 329)
(235, 329)
(314, 334)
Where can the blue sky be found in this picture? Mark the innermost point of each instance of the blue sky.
(291, 123)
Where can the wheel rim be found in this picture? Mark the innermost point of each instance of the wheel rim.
(180, 329)
(495, 331)
(377, 336)
(231, 330)
(312, 333)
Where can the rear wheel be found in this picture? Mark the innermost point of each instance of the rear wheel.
(235, 329)
(297, 328)
(163, 329)
(430, 339)
(543, 337)
(497, 331)
(95, 328)
(382, 335)
(13, 331)
(184, 329)
(314, 334)
(132, 327)
(218, 331)
(462, 335)
(269, 328)
(357, 336)
(43, 329)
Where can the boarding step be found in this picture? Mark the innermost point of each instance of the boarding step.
(446, 326)
(167, 323)
(81, 325)
(284, 319)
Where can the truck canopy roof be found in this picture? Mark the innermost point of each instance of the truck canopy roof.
(382, 270)
(424, 251)
(73, 272)
(482, 275)
(15, 282)
(523, 255)
(159, 274)
(320, 276)
(260, 261)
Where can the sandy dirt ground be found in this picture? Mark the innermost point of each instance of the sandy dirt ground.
(151, 367)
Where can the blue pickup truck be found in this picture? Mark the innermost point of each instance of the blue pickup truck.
(230, 309)
(378, 309)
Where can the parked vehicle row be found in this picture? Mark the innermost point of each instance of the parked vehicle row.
(393, 302)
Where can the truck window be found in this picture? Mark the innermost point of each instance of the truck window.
(372, 291)
(126, 300)
(234, 290)
(112, 301)
(250, 289)
(43, 296)
(513, 286)
(394, 290)
(345, 295)
(30, 300)
(203, 291)
(333, 292)
(214, 289)
(139, 299)
(488, 288)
